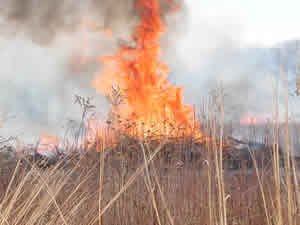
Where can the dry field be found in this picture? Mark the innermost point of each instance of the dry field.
(141, 184)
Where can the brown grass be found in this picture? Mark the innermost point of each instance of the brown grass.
(154, 183)
(137, 184)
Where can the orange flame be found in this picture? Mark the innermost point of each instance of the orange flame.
(151, 101)
(108, 32)
(47, 143)
(98, 133)
(252, 120)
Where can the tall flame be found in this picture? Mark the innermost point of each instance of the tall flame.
(150, 100)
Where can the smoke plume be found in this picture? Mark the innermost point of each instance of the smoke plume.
(43, 21)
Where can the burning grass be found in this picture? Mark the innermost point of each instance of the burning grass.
(139, 80)
(131, 170)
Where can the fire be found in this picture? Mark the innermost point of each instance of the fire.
(252, 120)
(155, 105)
(108, 32)
(47, 143)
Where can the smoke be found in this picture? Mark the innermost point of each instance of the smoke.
(49, 52)
(44, 21)
(213, 52)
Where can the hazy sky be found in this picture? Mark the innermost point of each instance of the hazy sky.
(262, 22)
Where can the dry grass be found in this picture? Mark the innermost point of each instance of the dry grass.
(154, 182)
(138, 184)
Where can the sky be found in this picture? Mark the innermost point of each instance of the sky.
(260, 22)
